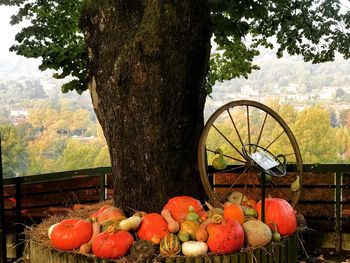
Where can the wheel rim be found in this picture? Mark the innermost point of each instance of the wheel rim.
(258, 120)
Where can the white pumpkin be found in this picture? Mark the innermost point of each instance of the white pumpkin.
(194, 248)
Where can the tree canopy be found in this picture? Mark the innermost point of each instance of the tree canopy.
(313, 29)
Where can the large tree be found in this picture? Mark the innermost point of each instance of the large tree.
(148, 69)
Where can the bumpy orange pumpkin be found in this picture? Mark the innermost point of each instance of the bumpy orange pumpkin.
(234, 212)
(112, 245)
(225, 238)
(279, 213)
(71, 233)
(153, 228)
(178, 207)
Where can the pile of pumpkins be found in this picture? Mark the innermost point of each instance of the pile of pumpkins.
(182, 227)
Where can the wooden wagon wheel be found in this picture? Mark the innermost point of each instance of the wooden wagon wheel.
(237, 133)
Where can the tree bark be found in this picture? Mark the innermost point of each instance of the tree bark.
(148, 60)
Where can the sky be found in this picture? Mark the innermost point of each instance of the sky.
(10, 63)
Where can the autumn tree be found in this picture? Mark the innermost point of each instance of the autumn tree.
(315, 135)
(13, 151)
(148, 69)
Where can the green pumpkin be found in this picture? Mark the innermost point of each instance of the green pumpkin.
(170, 245)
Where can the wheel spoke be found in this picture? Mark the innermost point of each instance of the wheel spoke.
(248, 128)
(261, 131)
(239, 177)
(288, 154)
(275, 139)
(227, 156)
(227, 170)
(227, 140)
(234, 125)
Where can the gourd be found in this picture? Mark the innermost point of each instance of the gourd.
(170, 245)
(279, 214)
(219, 163)
(112, 244)
(178, 207)
(153, 228)
(94, 216)
(131, 223)
(194, 248)
(142, 249)
(234, 212)
(226, 237)
(237, 198)
(173, 226)
(110, 213)
(70, 234)
(87, 247)
(188, 230)
(49, 231)
(256, 233)
(202, 233)
(216, 214)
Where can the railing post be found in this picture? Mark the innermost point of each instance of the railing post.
(3, 255)
(102, 187)
(18, 223)
(338, 197)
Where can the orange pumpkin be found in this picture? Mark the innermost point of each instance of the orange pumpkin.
(178, 207)
(153, 228)
(112, 245)
(234, 212)
(109, 213)
(279, 213)
(225, 238)
(95, 215)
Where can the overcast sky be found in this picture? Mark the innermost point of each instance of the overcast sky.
(10, 63)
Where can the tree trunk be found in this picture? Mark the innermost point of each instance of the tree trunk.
(148, 61)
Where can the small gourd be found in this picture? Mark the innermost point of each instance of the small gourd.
(194, 248)
(295, 185)
(219, 163)
(216, 214)
(188, 230)
(142, 249)
(276, 236)
(170, 245)
(192, 215)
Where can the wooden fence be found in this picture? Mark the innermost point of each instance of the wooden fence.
(325, 199)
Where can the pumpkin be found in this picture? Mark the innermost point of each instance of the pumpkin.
(153, 228)
(236, 198)
(256, 233)
(112, 244)
(194, 248)
(70, 234)
(279, 213)
(179, 205)
(226, 237)
(170, 245)
(234, 212)
(111, 213)
(95, 215)
(142, 249)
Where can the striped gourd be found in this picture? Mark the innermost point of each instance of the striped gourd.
(170, 245)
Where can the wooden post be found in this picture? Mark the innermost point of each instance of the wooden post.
(3, 255)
